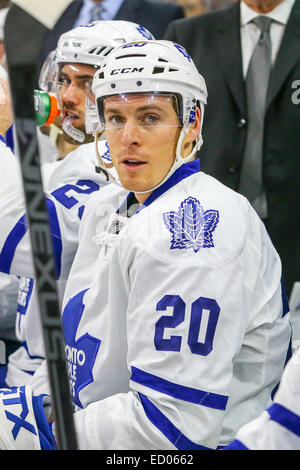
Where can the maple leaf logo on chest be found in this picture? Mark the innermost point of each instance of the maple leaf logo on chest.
(191, 227)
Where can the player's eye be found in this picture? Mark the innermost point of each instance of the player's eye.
(84, 84)
(149, 119)
(88, 84)
(115, 121)
(64, 81)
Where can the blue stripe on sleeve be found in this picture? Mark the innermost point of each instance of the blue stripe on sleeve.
(24, 345)
(236, 445)
(285, 418)
(192, 395)
(161, 422)
(10, 245)
(9, 138)
(18, 232)
(285, 301)
(55, 235)
(3, 374)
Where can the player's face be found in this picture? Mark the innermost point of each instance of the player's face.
(142, 135)
(75, 80)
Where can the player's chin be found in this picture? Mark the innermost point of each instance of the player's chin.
(135, 184)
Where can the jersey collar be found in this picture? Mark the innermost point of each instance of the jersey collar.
(184, 171)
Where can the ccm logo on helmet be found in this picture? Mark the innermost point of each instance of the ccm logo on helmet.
(127, 70)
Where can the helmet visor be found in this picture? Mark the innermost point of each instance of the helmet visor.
(73, 75)
(148, 110)
(48, 73)
(52, 79)
(91, 115)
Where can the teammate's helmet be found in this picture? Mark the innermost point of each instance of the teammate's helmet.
(155, 68)
(88, 44)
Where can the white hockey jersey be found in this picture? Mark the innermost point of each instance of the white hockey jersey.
(74, 183)
(8, 282)
(9, 285)
(68, 183)
(178, 332)
(277, 428)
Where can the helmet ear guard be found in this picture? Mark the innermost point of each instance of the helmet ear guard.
(154, 67)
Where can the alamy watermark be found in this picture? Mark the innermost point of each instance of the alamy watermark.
(296, 93)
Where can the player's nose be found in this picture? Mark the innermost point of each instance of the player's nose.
(130, 133)
(71, 94)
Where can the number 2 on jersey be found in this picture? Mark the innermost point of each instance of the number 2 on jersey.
(198, 322)
(82, 187)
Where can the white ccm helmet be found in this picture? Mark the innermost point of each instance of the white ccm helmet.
(157, 68)
(87, 44)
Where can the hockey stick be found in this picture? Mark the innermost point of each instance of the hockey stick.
(26, 24)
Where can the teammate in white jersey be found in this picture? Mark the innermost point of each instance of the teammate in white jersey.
(70, 182)
(177, 333)
(68, 72)
(277, 428)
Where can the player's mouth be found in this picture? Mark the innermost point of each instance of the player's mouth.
(73, 117)
(132, 163)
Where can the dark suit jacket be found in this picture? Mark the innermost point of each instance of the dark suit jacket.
(213, 41)
(154, 16)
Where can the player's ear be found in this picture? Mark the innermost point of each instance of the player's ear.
(192, 133)
(196, 128)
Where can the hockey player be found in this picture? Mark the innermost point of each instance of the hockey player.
(277, 428)
(67, 72)
(177, 333)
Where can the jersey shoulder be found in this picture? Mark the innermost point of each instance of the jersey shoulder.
(107, 200)
(78, 165)
(199, 218)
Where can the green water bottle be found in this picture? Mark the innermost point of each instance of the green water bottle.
(45, 107)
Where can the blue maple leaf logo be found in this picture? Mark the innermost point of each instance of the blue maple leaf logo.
(191, 227)
(106, 154)
(182, 50)
(80, 354)
(144, 32)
